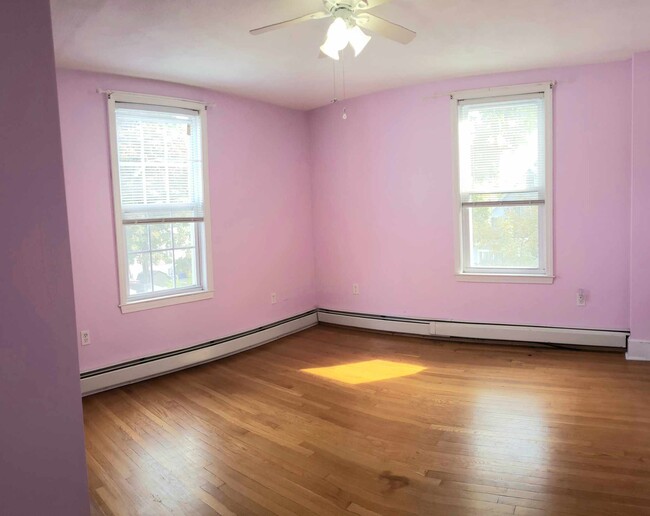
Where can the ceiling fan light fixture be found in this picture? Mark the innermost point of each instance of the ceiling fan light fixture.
(339, 34)
(358, 39)
(350, 17)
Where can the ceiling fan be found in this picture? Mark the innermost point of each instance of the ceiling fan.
(350, 16)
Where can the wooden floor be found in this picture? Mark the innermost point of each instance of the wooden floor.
(484, 429)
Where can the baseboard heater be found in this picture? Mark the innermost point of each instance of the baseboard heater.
(156, 365)
(468, 330)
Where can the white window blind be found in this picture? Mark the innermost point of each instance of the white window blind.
(160, 163)
(502, 151)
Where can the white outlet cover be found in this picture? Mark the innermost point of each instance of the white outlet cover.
(274, 298)
(85, 337)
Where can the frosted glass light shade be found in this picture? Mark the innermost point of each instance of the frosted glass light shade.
(329, 50)
(337, 34)
(358, 39)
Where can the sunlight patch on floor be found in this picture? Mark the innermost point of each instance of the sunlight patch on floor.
(364, 372)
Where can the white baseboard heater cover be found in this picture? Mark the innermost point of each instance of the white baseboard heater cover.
(538, 334)
(375, 322)
(638, 350)
(135, 371)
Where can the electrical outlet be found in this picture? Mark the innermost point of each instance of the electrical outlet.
(581, 298)
(274, 298)
(85, 337)
(355, 289)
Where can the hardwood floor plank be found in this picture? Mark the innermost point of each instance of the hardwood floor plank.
(483, 429)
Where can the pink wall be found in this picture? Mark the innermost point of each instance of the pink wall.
(261, 221)
(382, 183)
(640, 249)
(42, 462)
(379, 187)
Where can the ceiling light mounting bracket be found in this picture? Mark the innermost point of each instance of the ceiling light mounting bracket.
(342, 10)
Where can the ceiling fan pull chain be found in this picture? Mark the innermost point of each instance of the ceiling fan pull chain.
(344, 116)
(334, 99)
(343, 75)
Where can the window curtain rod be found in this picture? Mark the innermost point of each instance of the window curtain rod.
(450, 94)
(108, 94)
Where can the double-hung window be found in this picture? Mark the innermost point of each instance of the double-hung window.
(503, 142)
(160, 188)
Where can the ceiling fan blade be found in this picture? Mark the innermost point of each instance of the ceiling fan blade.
(364, 5)
(307, 17)
(385, 28)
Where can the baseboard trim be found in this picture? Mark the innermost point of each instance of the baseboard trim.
(433, 328)
(638, 350)
(375, 322)
(156, 365)
(148, 367)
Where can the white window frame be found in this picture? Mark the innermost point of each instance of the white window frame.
(546, 244)
(205, 246)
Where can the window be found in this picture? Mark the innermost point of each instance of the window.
(503, 140)
(160, 189)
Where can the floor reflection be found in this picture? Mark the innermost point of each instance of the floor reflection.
(510, 427)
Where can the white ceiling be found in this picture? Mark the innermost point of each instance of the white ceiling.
(206, 42)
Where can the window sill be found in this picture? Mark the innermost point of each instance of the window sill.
(147, 304)
(504, 278)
